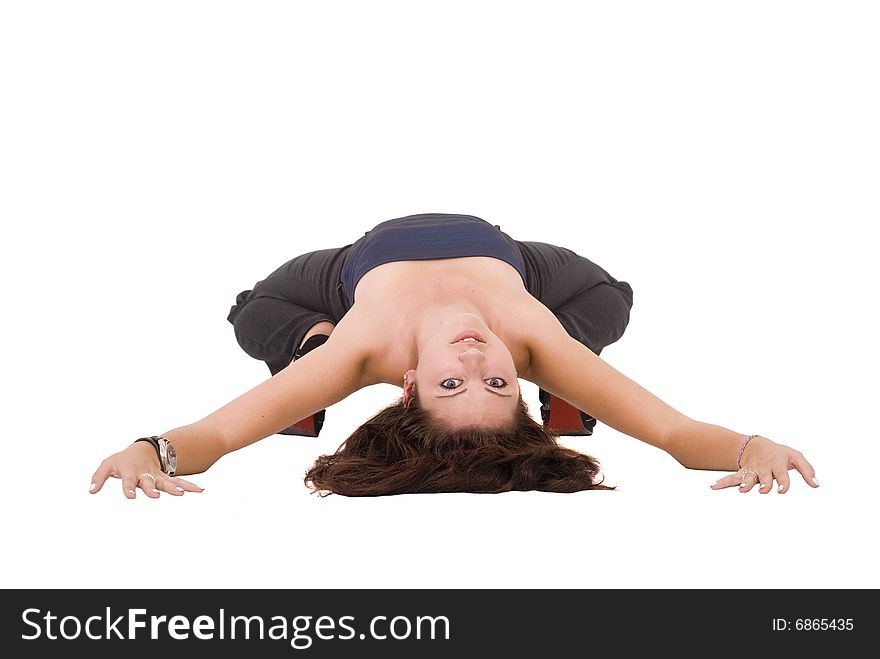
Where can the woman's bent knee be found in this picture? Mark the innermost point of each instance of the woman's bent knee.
(240, 301)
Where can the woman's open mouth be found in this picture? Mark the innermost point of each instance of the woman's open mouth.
(469, 336)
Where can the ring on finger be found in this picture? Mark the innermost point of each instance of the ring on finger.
(146, 475)
(746, 472)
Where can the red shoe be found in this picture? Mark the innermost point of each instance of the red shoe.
(311, 425)
(308, 427)
(562, 418)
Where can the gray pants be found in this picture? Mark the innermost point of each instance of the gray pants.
(271, 319)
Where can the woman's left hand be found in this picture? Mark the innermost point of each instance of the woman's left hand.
(763, 461)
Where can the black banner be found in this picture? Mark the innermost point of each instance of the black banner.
(433, 623)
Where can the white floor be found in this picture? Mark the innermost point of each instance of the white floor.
(722, 162)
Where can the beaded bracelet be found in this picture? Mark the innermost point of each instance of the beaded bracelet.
(741, 449)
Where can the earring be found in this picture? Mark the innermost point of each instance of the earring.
(407, 396)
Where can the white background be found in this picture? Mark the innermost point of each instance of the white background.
(158, 158)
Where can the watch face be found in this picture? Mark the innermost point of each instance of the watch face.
(167, 456)
(172, 457)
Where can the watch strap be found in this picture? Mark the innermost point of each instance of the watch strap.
(154, 440)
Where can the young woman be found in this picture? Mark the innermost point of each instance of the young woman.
(454, 311)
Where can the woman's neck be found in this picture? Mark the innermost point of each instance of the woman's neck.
(398, 348)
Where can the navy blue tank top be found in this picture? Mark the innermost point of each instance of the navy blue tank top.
(424, 237)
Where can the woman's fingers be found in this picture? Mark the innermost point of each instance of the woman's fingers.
(757, 474)
(151, 484)
(147, 483)
(783, 480)
(166, 485)
(799, 462)
(177, 486)
(748, 479)
(186, 485)
(100, 477)
(129, 482)
(136, 471)
(728, 481)
(766, 482)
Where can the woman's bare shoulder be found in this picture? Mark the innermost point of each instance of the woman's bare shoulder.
(528, 324)
(363, 334)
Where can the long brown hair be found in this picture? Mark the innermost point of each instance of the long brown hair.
(404, 450)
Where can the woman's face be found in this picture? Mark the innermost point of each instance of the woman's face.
(466, 375)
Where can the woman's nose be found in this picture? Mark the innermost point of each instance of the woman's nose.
(472, 355)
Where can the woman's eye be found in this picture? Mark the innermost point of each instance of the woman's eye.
(452, 383)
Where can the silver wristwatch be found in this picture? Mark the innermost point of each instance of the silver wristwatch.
(167, 456)
(165, 451)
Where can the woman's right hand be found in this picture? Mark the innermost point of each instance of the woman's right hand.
(138, 466)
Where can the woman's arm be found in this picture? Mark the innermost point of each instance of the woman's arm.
(317, 380)
(566, 368)
(320, 378)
